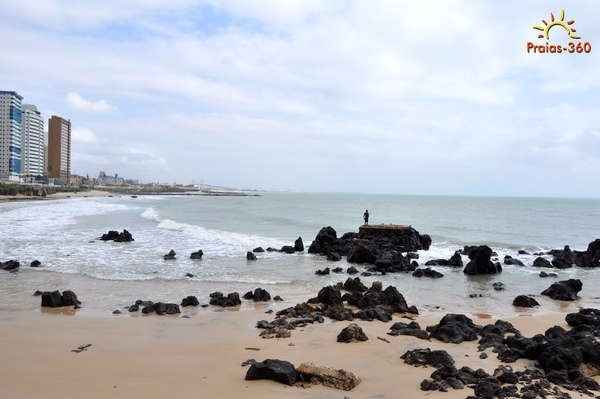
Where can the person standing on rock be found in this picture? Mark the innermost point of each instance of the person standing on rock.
(366, 216)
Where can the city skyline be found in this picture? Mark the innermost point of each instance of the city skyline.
(294, 95)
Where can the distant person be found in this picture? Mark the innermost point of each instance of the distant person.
(366, 216)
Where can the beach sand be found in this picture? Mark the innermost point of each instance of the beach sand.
(170, 356)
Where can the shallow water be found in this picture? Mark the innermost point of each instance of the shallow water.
(61, 235)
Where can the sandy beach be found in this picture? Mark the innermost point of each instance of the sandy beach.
(159, 356)
(55, 196)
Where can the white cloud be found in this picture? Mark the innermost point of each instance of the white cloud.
(84, 135)
(80, 103)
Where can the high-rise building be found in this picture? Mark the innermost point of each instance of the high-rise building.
(59, 148)
(10, 135)
(32, 142)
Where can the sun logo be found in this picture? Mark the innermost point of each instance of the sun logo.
(568, 26)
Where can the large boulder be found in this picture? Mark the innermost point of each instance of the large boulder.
(590, 257)
(324, 242)
(565, 290)
(428, 357)
(413, 329)
(250, 256)
(480, 261)
(509, 260)
(361, 253)
(542, 262)
(190, 301)
(273, 369)
(352, 333)
(455, 260)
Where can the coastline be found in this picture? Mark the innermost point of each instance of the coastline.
(154, 356)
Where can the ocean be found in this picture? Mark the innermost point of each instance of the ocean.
(62, 235)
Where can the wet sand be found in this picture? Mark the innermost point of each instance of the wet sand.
(170, 356)
(62, 195)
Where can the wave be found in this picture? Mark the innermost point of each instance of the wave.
(151, 214)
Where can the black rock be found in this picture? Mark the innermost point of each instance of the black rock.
(454, 328)
(299, 245)
(54, 299)
(218, 299)
(190, 301)
(590, 257)
(543, 274)
(115, 236)
(352, 333)
(565, 290)
(438, 262)
(37, 293)
(261, 295)
(487, 388)
(36, 263)
(427, 272)
(258, 249)
(509, 260)
(334, 256)
(352, 270)
(273, 369)
(277, 298)
(197, 255)
(480, 261)
(413, 329)
(354, 285)
(322, 272)
(337, 270)
(10, 265)
(525, 301)
(189, 275)
(455, 260)
(288, 249)
(248, 295)
(271, 249)
(427, 357)
(523, 252)
(162, 308)
(170, 255)
(133, 308)
(250, 256)
(329, 296)
(542, 262)
(498, 286)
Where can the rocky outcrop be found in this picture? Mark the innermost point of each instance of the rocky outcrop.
(589, 257)
(197, 255)
(273, 369)
(112, 235)
(328, 376)
(381, 246)
(525, 301)
(218, 299)
(10, 265)
(352, 333)
(54, 299)
(480, 261)
(565, 290)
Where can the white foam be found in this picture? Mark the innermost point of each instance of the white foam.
(151, 214)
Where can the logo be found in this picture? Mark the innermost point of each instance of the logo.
(555, 26)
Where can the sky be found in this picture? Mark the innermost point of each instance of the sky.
(409, 97)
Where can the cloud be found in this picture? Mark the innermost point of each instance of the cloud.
(84, 135)
(80, 103)
(421, 97)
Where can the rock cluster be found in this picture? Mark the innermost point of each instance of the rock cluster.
(54, 299)
(565, 290)
(218, 299)
(112, 235)
(379, 247)
(259, 295)
(374, 303)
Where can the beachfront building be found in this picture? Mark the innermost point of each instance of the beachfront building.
(10, 135)
(32, 142)
(59, 148)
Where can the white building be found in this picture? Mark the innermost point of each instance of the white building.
(33, 142)
(10, 135)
